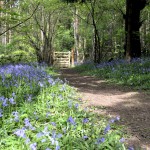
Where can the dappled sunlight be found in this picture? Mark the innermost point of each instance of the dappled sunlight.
(132, 106)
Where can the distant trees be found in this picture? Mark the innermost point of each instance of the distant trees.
(40, 31)
(132, 26)
(94, 27)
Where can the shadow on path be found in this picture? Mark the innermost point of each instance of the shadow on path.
(133, 107)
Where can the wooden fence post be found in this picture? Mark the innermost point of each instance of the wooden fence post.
(72, 57)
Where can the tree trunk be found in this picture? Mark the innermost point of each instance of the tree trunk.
(132, 26)
(76, 34)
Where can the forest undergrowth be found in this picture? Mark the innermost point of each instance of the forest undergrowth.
(38, 112)
(135, 74)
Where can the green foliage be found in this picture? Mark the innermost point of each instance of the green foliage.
(16, 57)
(38, 112)
(135, 74)
(64, 39)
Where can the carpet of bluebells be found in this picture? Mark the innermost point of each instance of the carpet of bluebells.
(135, 74)
(38, 112)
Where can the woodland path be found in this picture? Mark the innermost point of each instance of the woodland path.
(133, 107)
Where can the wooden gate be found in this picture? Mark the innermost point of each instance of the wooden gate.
(61, 59)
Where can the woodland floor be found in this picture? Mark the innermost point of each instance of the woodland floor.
(133, 107)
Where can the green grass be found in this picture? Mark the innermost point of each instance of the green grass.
(39, 112)
(135, 75)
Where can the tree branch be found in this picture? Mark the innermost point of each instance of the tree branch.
(21, 21)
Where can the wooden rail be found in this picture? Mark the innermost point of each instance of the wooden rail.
(61, 59)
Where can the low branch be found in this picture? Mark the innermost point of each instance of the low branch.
(21, 21)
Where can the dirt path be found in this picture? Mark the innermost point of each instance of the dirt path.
(132, 107)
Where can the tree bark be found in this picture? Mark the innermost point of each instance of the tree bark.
(132, 27)
(76, 34)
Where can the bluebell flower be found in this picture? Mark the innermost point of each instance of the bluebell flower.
(13, 94)
(80, 99)
(53, 134)
(59, 135)
(40, 134)
(33, 146)
(43, 140)
(5, 102)
(107, 129)
(1, 113)
(85, 137)
(76, 105)
(27, 140)
(48, 149)
(2, 98)
(12, 101)
(20, 133)
(122, 140)
(85, 120)
(57, 147)
(50, 81)
(45, 131)
(41, 84)
(71, 120)
(100, 140)
(115, 119)
(130, 148)
(27, 122)
(16, 116)
(53, 123)
(29, 99)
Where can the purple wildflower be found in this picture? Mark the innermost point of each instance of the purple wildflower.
(27, 122)
(33, 146)
(57, 147)
(40, 134)
(130, 148)
(48, 149)
(85, 137)
(29, 98)
(2, 98)
(1, 115)
(53, 123)
(100, 140)
(76, 105)
(5, 102)
(50, 81)
(11, 100)
(59, 135)
(20, 133)
(16, 117)
(45, 131)
(13, 94)
(115, 119)
(71, 120)
(107, 129)
(43, 140)
(122, 140)
(85, 120)
(41, 84)
(27, 141)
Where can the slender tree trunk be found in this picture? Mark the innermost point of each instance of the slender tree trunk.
(76, 34)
